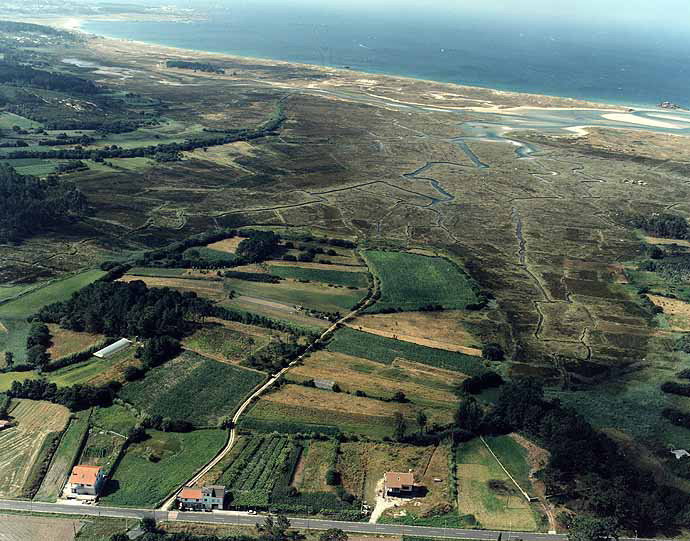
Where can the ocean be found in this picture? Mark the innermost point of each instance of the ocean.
(638, 67)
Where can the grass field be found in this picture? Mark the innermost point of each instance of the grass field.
(341, 278)
(227, 344)
(13, 314)
(386, 350)
(192, 388)
(422, 384)
(8, 120)
(286, 314)
(514, 457)
(79, 373)
(116, 418)
(153, 271)
(411, 281)
(7, 378)
(311, 407)
(64, 457)
(311, 295)
(498, 505)
(314, 464)
(102, 449)
(20, 446)
(139, 482)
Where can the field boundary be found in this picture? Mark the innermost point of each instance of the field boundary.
(529, 498)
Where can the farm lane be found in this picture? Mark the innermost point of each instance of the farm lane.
(370, 299)
(244, 519)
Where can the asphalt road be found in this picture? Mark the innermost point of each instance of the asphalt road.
(244, 519)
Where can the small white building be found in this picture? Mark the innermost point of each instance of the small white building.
(210, 497)
(112, 349)
(85, 482)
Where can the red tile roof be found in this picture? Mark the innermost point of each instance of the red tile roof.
(190, 493)
(85, 475)
(398, 480)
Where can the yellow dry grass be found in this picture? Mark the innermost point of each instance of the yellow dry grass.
(20, 445)
(2, 327)
(677, 312)
(419, 382)
(30, 528)
(208, 289)
(66, 342)
(441, 330)
(658, 240)
(226, 245)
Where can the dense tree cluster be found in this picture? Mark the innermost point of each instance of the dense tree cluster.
(75, 398)
(258, 247)
(587, 464)
(127, 309)
(28, 204)
(196, 66)
(665, 225)
(476, 384)
(21, 75)
(677, 417)
(681, 389)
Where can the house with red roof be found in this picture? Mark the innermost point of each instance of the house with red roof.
(85, 482)
(207, 498)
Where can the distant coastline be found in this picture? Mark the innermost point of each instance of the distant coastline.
(161, 34)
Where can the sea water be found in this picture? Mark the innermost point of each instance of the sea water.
(613, 65)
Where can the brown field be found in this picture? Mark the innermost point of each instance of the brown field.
(66, 342)
(21, 445)
(677, 312)
(29, 528)
(421, 383)
(275, 310)
(658, 240)
(441, 330)
(212, 290)
(352, 414)
(116, 370)
(226, 245)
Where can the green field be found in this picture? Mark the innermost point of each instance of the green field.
(311, 295)
(192, 388)
(8, 120)
(116, 418)
(64, 457)
(513, 456)
(326, 276)
(386, 350)
(500, 506)
(13, 314)
(79, 373)
(209, 254)
(7, 378)
(412, 281)
(137, 481)
(8, 292)
(61, 290)
(35, 166)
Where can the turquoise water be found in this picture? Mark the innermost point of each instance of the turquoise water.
(609, 65)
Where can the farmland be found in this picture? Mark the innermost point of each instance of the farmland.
(485, 491)
(192, 388)
(386, 350)
(20, 446)
(66, 342)
(65, 456)
(314, 408)
(115, 418)
(228, 342)
(138, 481)
(412, 281)
(38, 528)
(13, 314)
(326, 276)
(424, 385)
(102, 449)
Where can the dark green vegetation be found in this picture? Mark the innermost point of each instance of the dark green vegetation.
(327, 276)
(28, 205)
(192, 388)
(412, 281)
(196, 66)
(386, 350)
(665, 225)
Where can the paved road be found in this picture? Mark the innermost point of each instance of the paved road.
(244, 519)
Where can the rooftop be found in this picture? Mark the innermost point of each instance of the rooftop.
(85, 475)
(190, 493)
(399, 480)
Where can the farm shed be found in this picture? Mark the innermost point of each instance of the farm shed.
(116, 347)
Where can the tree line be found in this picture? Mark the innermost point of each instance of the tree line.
(28, 205)
(21, 75)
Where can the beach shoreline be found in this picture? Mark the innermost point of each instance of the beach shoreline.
(486, 103)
